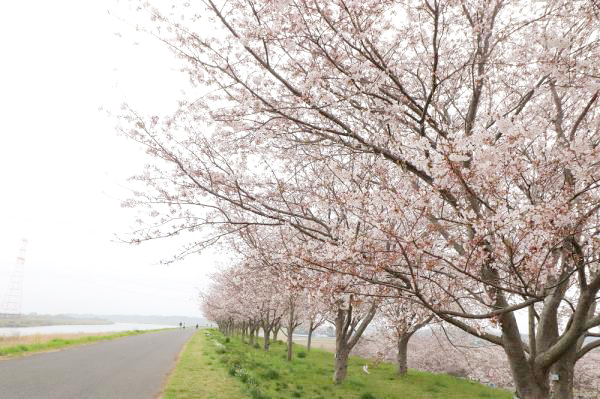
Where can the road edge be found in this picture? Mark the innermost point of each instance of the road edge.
(167, 378)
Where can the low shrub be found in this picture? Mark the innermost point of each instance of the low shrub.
(271, 375)
(301, 354)
(220, 348)
(457, 372)
(255, 393)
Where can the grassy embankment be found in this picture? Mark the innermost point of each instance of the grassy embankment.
(212, 366)
(19, 345)
(200, 374)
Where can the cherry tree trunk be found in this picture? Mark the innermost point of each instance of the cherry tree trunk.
(310, 331)
(565, 368)
(347, 334)
(289, 345)
(290, 331)
(402, 355)
(251, 336)
(341, 364)
(533, 391)
(275, 333)
(528, 383)
(266, 339)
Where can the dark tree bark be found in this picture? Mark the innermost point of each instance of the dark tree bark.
(348, 329)
(315, 321)
(251, 336)
(403, 355)
(565, 369)
(341, 363)
(290, 328)
(404, 336)
(244, 329)
(266, 338)
(290, 348)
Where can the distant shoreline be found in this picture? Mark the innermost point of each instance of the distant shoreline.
(37, 320)
(48, 320)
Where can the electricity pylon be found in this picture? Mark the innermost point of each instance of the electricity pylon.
(13, 297)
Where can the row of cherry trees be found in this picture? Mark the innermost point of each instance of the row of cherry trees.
(442, 154)
(244, 299)
(268, 292)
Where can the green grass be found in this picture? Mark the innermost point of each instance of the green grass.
(267, 375)
(200, 373)
(58, 343)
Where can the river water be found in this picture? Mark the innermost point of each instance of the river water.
(77, 329)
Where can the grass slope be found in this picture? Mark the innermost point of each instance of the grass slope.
(61, 342)
(267, 375)
(199, 374)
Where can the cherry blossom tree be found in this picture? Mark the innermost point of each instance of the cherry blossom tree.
(349, 301)
(446, 149)
(242, 297)
(351, 320)
(316, 316)
(294, 318)
(398, 323)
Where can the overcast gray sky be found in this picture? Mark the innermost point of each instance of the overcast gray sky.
(63, 168)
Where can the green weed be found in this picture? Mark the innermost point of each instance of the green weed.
(269, 375)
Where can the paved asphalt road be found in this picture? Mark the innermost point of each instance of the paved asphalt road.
(133, 367)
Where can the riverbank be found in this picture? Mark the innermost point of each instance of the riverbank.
(32, 320)
(95, 329)
(11, 346)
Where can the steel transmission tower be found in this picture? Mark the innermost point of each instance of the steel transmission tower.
(13, 297)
